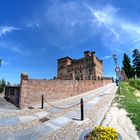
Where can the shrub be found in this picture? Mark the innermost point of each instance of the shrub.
(103, 133)
(135, 83)
(1, 89)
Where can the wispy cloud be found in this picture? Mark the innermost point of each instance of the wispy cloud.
(32, 24)
(7, 29)
(70, 23)
(10, 46)
(106, 18)
(106, 57)
(5, 63)
(124, 31)
(64, 24)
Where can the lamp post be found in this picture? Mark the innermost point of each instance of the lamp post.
(117, 70)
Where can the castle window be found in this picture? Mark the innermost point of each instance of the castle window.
(80, 71)
(61, 74)
(62, 67)
(89, 70)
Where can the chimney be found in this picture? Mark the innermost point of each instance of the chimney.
(93, 53)
(24, 76)
(87, 54)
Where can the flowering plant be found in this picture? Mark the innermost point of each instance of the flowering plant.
(103, 133)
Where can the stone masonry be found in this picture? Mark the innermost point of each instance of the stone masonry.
(87, 68)
(31, 89)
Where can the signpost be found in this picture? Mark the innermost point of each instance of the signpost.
(117, 70)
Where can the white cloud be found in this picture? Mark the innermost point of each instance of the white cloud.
(10, 46)
(106, 57)
(71, 23)
(66, 24)
(5, 63)
(32, 24)
(7, 29)
(123, 33)
(106, 17)
(16, 49)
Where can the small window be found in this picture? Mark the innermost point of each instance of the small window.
(62, 67)
(61, 74)
(11, 91)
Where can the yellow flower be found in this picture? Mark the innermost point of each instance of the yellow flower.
(103, 133)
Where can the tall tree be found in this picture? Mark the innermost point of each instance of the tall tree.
(127, 66)
(2, 85)
(136, 62)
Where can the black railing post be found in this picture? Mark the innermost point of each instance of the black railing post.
(42, 102)
(82, 109)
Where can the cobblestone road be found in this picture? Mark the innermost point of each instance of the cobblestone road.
(62, 124)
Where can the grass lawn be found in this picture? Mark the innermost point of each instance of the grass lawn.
(129, 99)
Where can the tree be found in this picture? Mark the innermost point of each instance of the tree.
(127, 66)
(136, 62)
(8, 84)
(2, 85)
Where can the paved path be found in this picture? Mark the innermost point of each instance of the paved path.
(62, 124)
(117, 118)
(6, 106)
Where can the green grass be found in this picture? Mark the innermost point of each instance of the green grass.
(135, 83)
(126, 99)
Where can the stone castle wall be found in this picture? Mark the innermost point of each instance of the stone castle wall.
(31, 90)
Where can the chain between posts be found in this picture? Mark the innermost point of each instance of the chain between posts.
(62, 107)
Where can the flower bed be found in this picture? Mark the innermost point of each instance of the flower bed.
(103, 133)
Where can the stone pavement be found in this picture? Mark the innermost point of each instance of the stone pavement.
(62, 124)
(117, 118)
(6, 106)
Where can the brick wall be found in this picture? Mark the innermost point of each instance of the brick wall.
(31, 90)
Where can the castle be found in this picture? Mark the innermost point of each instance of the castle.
(87, 68)
(74, 77)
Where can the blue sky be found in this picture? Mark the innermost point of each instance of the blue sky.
(35, 33)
